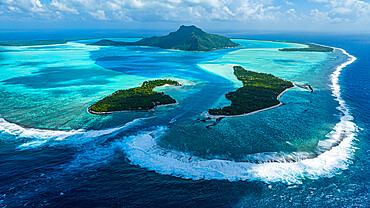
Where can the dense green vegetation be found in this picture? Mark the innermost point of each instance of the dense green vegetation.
(187, 38)
(311, 48)
(105, 42)
(138, 98)
(259, 91)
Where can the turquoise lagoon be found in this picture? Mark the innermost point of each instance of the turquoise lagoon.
(45, 92)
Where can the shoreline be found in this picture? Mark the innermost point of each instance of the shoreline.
(128, 111)
(287, 41)
(215, 49)
(19, 43)
(319, 163)
(253, 112)
(324, 165)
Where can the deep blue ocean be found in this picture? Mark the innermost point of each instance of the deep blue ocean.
(54, 154)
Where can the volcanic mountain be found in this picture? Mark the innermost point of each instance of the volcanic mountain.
(186, 38)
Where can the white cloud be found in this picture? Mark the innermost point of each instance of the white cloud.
(148, 10)
(240, 11)
(36, 3)
(36, 6)
(63, 7)
(120, 15)
(20, 9)
(318, 16)
(293, 16)
(136, 3)
(289, 3)
(355, 11)
(98, 14)
(209, 3)
(114, 6)
(342, 10)
(13, 9)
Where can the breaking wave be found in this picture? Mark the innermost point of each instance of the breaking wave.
(38, 137)
(334, 154)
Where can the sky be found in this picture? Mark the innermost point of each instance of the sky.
(345, 16)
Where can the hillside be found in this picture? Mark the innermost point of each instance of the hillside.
(187, 38)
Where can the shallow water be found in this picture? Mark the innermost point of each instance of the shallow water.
(45, 91)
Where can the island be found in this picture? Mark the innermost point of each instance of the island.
(311, 48)
(186, 38)
(260, 91)
(135, 99)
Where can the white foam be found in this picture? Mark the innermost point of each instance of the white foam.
(144, 151)
(38, 137)
(19, 131)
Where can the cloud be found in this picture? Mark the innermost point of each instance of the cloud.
(263, 12)
(355, 11)
(147, 10)
(63, 7)
(33, 6)
(320, 16)
(207, 3)
(98, 14)
(342, 10)
(289, 3)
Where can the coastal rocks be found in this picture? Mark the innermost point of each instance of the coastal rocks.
(305, 86)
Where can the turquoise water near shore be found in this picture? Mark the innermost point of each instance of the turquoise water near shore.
(45, 91)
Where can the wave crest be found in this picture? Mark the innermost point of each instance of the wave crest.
(334, 154)
(39, 137)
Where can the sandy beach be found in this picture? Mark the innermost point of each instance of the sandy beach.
(253, 112)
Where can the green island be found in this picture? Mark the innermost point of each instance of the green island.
(135, 99)
(186, 38)
(259, 91)
(311, 48)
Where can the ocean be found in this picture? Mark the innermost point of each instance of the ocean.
(310, 152)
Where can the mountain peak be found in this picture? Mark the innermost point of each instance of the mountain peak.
(187, 38)
(189, 29)
(189, 26)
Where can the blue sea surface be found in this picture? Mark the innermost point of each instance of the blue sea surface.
(310, 152)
